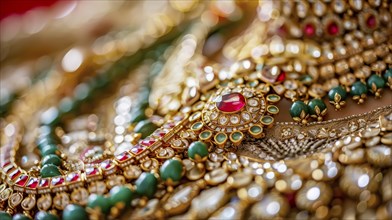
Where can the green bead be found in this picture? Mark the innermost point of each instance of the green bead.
(50, 170)
(145, 127)
(376, 80)
(358, 88)
(255, 129)
(137, 116)
(171, 169)
(51, 159)
(74, 212)
(67, 105)
(82, 92)
(337, 90)
(99, 201)
(41, 215)
(316, 103)
(388, 74)
(20, 216)
(297, 108)
(49, 149)
(45, 141)
(50, 116)
(5, 216)
(121, 194)
(197, 148)
(146, 185)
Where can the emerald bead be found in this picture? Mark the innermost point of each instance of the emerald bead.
(41, 215)
(67, 105)
(20, 216)
(50, 116)
(273, 98)
(255, 129)
(171, 170)
(205, 135)
(267, 120)
(137, 116)
(197, 126)
(297, 108)
(49, 149)
(236, 136)
(74, 212)
(376, 80)
(197, 148)
(388, 74)
(146, 185)
(50, 170)
(220, 137)
(316, 103)
(51, 159)
(98, 201)
(5, 216)
(43, 142)
(306, 79)
(145, 127)
(82, 92)
(358, 88)
(121, 194)
(337, 90)
(272, 109)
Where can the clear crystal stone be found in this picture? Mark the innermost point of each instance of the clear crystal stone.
(223, 120)
(234, 119)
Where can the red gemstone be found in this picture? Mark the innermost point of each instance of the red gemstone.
(33, 183)
(232, 102)
(106, 164)
(8, 168)
(57, 181)
(91, 171)
(371, 21)
(72, 177)
(169, 125)
(6, 164)
(282, 30)
(281, 77)
(309, 30)
(291, 199)
(44, 183)
(15, 174)
(22, 179)
(137, 149)
(147, 142)
(333, 28)
(159, 133)
(123, 156)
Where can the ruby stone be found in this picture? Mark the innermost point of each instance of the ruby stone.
(137, 149)
(333, 28)
(147, 142)
(57, 181)
(232, 102)
(22, 179)
(309, 30)
(33, 183)
(15, 174)
(72, 177)
(44, 183)
(123, 156)
(371, 21)
(91, 171)
(106, 164)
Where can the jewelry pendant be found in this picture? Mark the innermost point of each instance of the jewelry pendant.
(232, 111)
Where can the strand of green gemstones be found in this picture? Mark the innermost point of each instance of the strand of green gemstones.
(316, 108)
